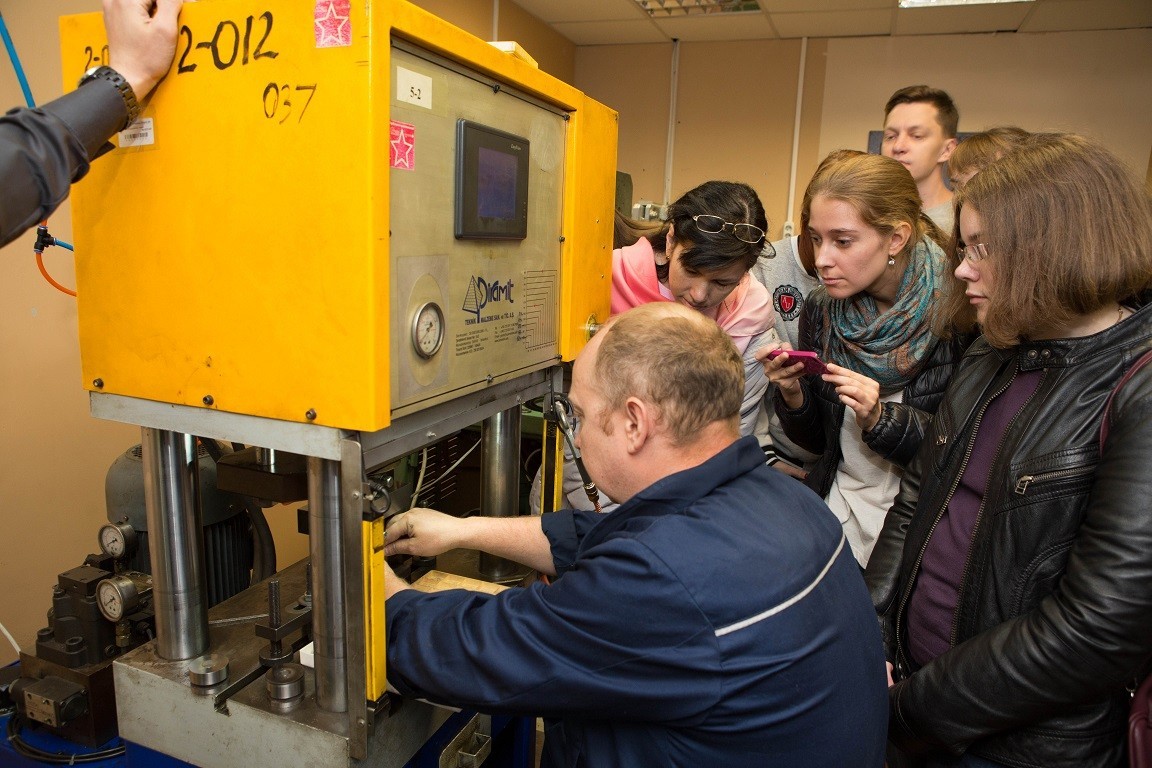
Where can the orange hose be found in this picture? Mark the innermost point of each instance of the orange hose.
(48, 277)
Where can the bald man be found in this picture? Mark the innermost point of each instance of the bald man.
(715, 618)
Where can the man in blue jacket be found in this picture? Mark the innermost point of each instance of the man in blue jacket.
(715, 618)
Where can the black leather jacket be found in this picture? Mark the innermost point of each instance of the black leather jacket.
(815, 425)
(1054, 618)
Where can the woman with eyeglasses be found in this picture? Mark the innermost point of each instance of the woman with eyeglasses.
(1013, 574)
(881, 267)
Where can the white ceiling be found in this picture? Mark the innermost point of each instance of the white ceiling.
(610, 22)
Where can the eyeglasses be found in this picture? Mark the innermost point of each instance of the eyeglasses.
(974, 252)
(747, 233)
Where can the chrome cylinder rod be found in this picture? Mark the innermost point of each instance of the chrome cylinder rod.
(175, 542)
(327, 554)
(500, 480)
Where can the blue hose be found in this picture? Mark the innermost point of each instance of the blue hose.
(16, 64)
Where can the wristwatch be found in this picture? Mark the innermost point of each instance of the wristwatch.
(126, 92)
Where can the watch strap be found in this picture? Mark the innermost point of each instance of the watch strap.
(121, 85)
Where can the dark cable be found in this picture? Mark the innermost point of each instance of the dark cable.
(55, 758)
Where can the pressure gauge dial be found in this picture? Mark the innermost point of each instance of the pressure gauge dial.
(117, 596)
(428, 329)
(117, 540)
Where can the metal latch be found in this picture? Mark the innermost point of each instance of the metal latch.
(470, 748)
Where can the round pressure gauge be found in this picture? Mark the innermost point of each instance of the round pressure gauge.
(117, 540)
(428, 329)
(117, 596)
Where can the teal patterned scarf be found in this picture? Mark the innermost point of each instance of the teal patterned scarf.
(890, 347)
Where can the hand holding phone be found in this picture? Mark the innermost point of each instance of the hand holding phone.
(813, 365)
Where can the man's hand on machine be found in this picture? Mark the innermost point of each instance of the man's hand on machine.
(423, 532)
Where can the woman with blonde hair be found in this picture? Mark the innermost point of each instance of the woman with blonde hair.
(881, 267)
(1012, 574)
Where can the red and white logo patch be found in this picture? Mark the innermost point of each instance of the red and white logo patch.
(787, 299)
(333, 27)
(402, 145)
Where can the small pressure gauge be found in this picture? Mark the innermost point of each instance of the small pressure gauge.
(428, 330)
(117, 596)
(117, 540)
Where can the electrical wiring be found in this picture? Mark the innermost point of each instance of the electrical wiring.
(448, 471)
(8, 635)
(25, 749)
(419, 478)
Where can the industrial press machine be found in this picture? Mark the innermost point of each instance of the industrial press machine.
(344, 230)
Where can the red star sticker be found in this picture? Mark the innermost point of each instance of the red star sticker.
(402, 152)
(332, 25)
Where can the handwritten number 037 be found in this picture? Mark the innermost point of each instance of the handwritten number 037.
(278, 100)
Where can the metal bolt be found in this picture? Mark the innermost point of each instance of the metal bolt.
(276, 648)
(208, 400)
(310, 414)
(98, 383)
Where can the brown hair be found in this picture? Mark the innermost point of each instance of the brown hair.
(946, 113)
(879, 188)
(710, 251)
(627, 231)
(1068, 229)
(980, 150)
(676, 359)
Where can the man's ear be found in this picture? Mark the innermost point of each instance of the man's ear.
(638, 423)
(946, 152)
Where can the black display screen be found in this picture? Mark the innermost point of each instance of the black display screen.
(491, 183)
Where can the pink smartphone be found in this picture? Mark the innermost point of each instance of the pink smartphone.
(813, 365)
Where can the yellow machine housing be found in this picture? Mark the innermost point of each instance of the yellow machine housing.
(264, 241)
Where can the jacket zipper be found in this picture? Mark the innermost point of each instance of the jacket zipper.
(1026, 480)
(939, 516)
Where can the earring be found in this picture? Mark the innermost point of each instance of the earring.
(891, 261)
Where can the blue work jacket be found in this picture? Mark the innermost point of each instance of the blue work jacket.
(717, 618)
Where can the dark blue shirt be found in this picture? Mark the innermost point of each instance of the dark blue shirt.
(717, 618)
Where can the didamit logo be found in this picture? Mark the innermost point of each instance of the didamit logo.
(481, 293)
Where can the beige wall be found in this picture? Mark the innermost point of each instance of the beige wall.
(53, 455)
(736, 101)
(553, 52)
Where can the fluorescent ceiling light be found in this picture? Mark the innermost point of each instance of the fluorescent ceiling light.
(938, 3)
(691, 7)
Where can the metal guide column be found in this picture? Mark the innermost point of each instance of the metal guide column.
(327, 588)
(175, 542)
(500, 480)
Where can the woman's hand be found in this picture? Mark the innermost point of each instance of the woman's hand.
(858, 392)
(783, 374)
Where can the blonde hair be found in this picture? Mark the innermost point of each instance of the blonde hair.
(1068, 230)
(676, 359)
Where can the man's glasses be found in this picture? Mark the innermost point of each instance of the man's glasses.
(747, 233)
(974, 252)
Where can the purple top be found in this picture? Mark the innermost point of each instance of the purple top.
(933, 603)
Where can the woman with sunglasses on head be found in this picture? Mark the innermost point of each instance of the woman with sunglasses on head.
(1012, 576)
(700, 257)
(881, 265)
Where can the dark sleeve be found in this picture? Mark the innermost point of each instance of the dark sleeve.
(901, 428)
(565, 530)
(803, 426)
(619, 637)
(43, 151)
(898, 434)
(1081, 643)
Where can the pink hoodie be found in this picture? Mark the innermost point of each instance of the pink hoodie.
(747, 312)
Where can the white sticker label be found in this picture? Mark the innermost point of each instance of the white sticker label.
(413, 88)
(139, 134)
